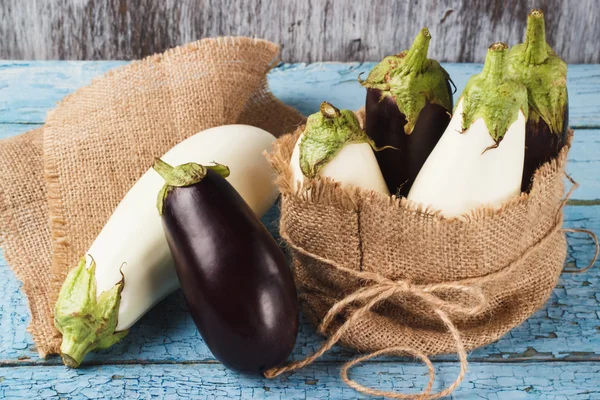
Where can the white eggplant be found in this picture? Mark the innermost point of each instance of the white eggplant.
(334, 146)
(129, 265)
(479, 159)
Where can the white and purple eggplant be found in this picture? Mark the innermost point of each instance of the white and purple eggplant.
(408, 107)
(544, 74)
(479, 159)
(333, 145)
(130, 267)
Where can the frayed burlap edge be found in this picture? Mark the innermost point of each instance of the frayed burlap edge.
(202, 44)
(22, 251)
(326, 191)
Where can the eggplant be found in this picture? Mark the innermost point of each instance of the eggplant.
(408, 107)
(544, 74)
(235, 278)
(334, 146)
(129, 268)
(479, 158)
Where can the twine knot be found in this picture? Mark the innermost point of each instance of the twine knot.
(378, 289)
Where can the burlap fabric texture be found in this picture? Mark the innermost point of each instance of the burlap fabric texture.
(382, 275)
(60, 184)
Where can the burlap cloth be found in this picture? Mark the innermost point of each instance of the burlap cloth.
(384, 276)
(60, 184)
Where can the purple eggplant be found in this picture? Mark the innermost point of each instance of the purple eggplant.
(544, 74)
(235, 278)
(408, 107)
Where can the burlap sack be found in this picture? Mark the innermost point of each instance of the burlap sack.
(59, 187)
(383, 275)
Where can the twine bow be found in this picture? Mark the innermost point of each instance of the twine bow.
(378, 289)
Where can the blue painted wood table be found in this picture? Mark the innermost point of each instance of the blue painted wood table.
(553, 355)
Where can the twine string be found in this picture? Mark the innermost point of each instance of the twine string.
(594, 238)
(369, 296)
(591, 235)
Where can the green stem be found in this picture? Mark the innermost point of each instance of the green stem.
(164, 170)
(72, 350)
(416, 56)
(536, 48)
(328, 110)
(495, 66)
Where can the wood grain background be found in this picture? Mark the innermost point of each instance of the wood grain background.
(308, 30)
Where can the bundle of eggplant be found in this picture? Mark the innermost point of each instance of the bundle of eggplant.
(510, 119)
(235, 278)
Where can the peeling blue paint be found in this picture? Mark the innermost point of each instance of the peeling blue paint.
(522, 381)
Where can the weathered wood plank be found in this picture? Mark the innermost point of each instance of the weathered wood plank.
(566, 328)
(573, 381)
(317, 30)
(584, 164)
(29, 89)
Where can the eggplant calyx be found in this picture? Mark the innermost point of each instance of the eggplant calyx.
(493, 96)
(86, 322)
(412, 80)
(326, 133)
(183, 175)
(537, 66)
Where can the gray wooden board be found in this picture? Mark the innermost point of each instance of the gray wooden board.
(308, 30)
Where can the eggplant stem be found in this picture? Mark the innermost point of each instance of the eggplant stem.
(360, 80)
(417, 54)
(86, 321)
(536, 48)
(163, 169)
(325, 134)
(329, 110)
(181, 176)
(494, 67)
